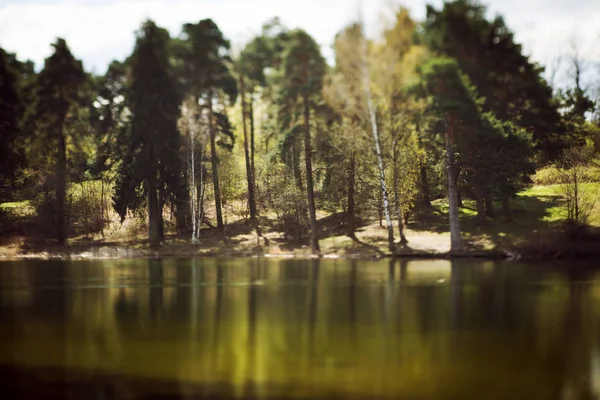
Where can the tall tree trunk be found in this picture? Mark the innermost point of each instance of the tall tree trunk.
(102, 213)
(182, 199)
(350, 223)
(480, 201)
(252, 169)
(384, 192)
(374, 130)
(396, 171)
(247, 157)
(61, 188)
(314, 238)
(489, 205)
(200, 191)
(160, 208)
(424, 195)
(296, 164)
(153, 217)
(456, 243)
(380, 207)
(506, 209)
(192, 181)
(215, 169)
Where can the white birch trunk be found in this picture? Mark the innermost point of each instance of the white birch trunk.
(374, 130)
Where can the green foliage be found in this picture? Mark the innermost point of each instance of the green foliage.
(110, 118)
(263, 52)
(58, 97)
(459, 78)
(303, 67)
(12, 154)
(87, 208)
(494, 155)
(54, 120)
(206, 67)
(553, 175)
(153, 140)
(288, 202)
(510, 83)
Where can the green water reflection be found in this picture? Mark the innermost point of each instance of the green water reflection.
(265, 328)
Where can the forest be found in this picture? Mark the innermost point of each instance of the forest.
(441, 130)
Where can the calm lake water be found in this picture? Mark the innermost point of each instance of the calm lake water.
(270, 329)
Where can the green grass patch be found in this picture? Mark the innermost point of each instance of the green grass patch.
(11, 205)
(17, 208)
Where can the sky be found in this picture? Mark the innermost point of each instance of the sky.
(99, 31)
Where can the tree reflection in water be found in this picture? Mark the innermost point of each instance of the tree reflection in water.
(265, 328)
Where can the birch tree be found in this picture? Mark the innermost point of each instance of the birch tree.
(366, 81)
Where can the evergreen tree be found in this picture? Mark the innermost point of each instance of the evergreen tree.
(260, 53)
(49, 119)
(206, 63)
(303, 69)
(152, 156)
(12, 155)
(452, 108)
(510, 83)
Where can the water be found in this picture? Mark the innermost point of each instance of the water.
(270, 329)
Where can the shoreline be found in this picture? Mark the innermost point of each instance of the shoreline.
(109, 252)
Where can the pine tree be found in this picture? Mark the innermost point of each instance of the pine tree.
(12, 155)
(510, 83)
(152, 156)
(303, 69)
(56, 93)
(207, 72)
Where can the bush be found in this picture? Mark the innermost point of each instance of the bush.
(279, 191)
(87, 205)
(45, 208)
(555, 176)
(292, 217)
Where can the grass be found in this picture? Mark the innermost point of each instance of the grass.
(19, 208)
(538, 220)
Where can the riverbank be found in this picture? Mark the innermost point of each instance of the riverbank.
(537, 231)
(369, 243)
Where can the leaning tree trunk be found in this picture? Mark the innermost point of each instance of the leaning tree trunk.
(396, 171)
(314, 239)
(350, 223)
(247, 157)
(215, 169)
(456, 243)
(61, 188)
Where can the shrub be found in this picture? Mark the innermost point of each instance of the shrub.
(279, 191)
(555, 176)
(87, 205)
